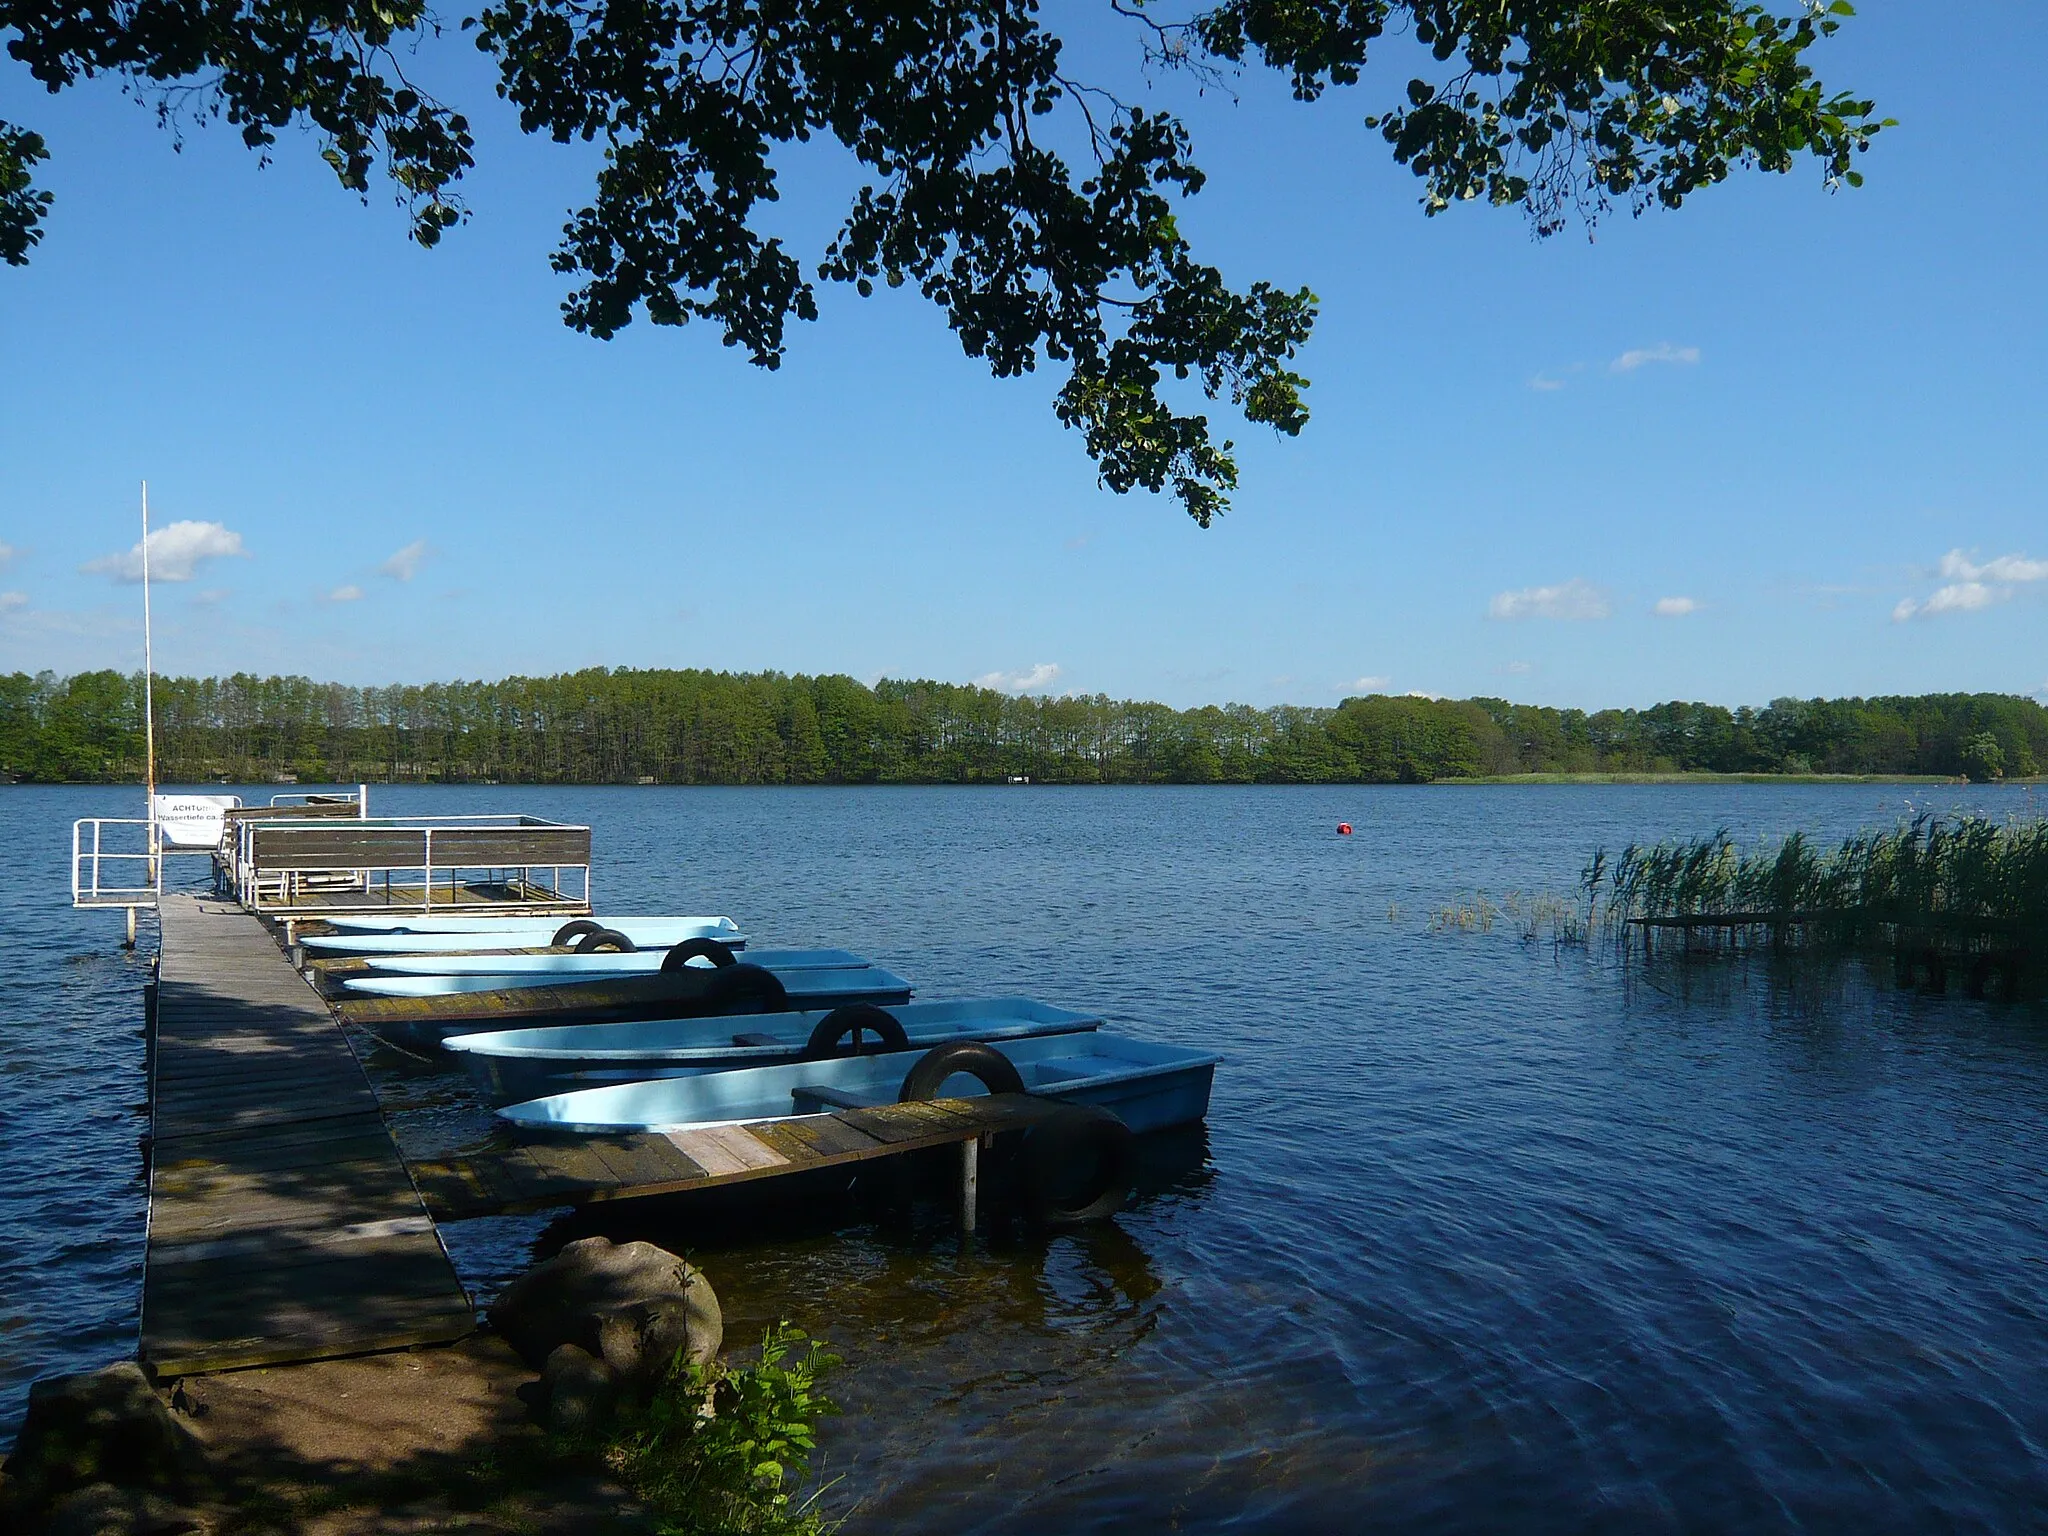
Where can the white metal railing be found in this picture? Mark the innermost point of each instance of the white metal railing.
(139, 875)
(364, 878)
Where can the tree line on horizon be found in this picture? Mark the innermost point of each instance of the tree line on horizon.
(625, 725)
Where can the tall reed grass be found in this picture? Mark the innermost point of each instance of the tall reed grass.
(1966, 880)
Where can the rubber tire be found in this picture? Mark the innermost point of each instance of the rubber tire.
(743, 988)
(998, 1074)
(855, 1019)
(575, 929)
(1051, 1146)
(606, 939)
(680, 955)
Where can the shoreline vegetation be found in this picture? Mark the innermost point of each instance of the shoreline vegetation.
(1935, 892)
(629, 726)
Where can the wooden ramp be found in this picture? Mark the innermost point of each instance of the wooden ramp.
(574, 1170)
(282, 1223)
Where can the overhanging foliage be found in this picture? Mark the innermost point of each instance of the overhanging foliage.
(1036, 209)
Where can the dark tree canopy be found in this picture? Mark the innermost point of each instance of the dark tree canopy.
(1037, 210)
(696, 727)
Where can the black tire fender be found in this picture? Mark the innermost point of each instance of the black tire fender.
(682, 954)
(1081, 1137)
(605, 939)
(571, 931)
(855, 1020)
(743, 988)
(997, 1073)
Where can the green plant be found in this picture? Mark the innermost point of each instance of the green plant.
(722, 1450)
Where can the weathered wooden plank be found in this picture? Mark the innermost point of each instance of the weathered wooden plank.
(725, 1149)
(283, 1224)
(463, 1187)
(644, 1159)
(904, 1122)
(812, 1139)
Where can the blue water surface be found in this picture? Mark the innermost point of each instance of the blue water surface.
(1482, 1233)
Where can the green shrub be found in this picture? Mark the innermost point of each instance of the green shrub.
(736, 1469)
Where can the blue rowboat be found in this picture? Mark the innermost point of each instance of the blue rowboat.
(1148, 1087)
(690, 993)
(508, 973)
(514, 1064)
(482, 920)
(520, 933)
(512, 968)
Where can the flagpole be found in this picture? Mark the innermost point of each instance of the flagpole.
(148, 692)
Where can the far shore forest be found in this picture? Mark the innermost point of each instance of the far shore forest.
(629, 726)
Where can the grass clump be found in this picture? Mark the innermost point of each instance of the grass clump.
(723, 1450)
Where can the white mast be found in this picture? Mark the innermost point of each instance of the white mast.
(148, 684)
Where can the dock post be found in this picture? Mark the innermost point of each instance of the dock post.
(129, 943)
(970, 1180)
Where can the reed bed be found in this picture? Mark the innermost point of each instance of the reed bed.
(1930, 888)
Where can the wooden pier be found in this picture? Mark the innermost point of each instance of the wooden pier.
(578, 1170)
(282, 1223)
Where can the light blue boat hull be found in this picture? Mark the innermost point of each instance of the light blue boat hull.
(1149, 1087)
(515, 1064)
(519, 933)
(483, 921)
(785, 963)
(560, 965)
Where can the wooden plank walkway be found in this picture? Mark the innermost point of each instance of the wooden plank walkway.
(282, 1223)
(574, 1170)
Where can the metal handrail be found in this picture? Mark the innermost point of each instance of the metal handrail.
(279, 890)
(91, 892)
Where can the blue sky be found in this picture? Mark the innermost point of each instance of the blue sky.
(1813, 420)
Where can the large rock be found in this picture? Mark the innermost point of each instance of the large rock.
(631, 1304)
(105, 1426)
(581, 1388)
(642, 1339)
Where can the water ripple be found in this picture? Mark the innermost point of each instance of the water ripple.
(1480, 1235)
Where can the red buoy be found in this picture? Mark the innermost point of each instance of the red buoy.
(1343, 829)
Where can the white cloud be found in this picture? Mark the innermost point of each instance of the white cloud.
(1574, 599)
(347, 594)
(9, 601)
(1374, 684)
(1676, 607)
(175, 552)
(2009, 569)
(1544, 383)
(405, 564)
(1042, 675)
(1421, 693)
(1518, 667)
(1972, 585)
(7, 554)
(1957, 597)
(1663, 352)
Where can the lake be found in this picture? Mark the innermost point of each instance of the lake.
(1481, 1233)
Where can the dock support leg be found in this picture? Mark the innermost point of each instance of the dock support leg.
(970, 1181)
(130, 941)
